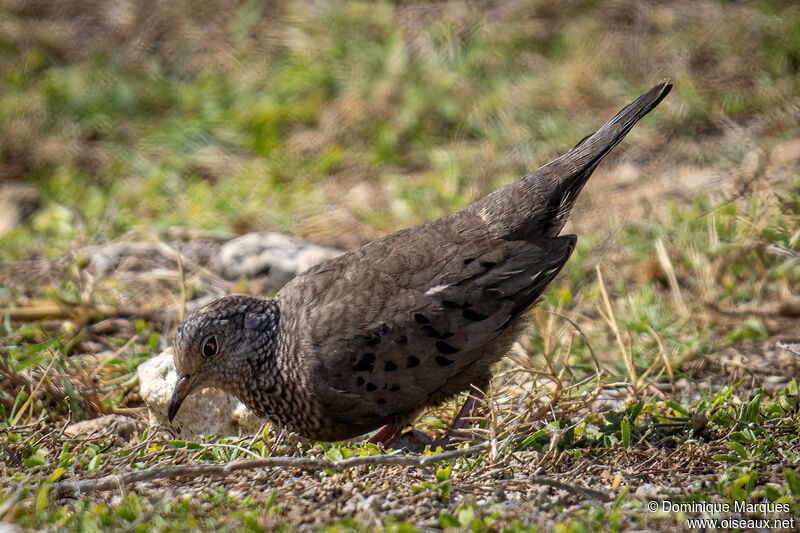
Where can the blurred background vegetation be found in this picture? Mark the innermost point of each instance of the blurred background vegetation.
(343, 122)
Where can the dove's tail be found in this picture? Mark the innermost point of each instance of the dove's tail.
(588, 153)
(539, 202)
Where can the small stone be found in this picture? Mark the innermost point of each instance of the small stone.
(18, 201)
(122, 427)
(211, 412)
(274, 256)
(787, 153)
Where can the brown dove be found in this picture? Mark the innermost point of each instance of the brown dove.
(372, 337)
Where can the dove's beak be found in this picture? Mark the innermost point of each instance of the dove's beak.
(182, 389)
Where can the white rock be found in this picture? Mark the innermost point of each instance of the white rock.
(272, 255)
(204, 412)
(787, 153)
(18, 201)
(11, 528)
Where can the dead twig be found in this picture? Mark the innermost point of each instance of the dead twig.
(66, 488)
(85, 486)
(34, 310)
(561, 485)
(787, 309)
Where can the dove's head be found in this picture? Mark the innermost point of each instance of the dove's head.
(223, 345)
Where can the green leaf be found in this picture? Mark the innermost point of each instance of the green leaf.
(738, 448)
(447, 520)
(37, 458)
(675, 406)
(130, 508)
(625, 428)
(443, 474)
(56, 475)
(95, 462)
(634, 410)
(531, 439)
(620, 498)
(334, 454)
(751, 411)
(745, 436)
(726, 457)
(270, 501)
(40, 503)
(793, 480)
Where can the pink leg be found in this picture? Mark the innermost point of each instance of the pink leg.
(386, 436)
(416, 441)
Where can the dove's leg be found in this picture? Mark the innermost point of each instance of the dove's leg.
(416, 441)
(386, 436)
(462, 418)
(457, 433)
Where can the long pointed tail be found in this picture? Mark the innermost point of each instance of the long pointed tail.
(539, 202)
(588, 153)
(613, 131)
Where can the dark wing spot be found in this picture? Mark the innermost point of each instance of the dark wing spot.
(442, 361)
(394, 388)
(359, 381)
(445, 348)
(469, 260)
(469, 314)
(389, 366)
(402, 341)
(430, 332)
(371, 387)
(366, 363)
(380, 401)
(488, 264)
(450, 305)
(373, 339)
(420, 318)
(412, 361)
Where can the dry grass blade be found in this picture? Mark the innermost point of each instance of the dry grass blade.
(663, 354)
(666, 265)
(776, 249)
(612, 323)
(35, 390)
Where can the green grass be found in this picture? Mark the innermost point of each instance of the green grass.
(754, 436)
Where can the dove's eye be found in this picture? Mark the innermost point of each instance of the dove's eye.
(210, 346)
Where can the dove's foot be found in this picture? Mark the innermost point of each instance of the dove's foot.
(415, 441)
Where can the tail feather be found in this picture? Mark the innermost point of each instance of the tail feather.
(539, 203)
(588, 153)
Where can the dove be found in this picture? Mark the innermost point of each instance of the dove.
(369, 339)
